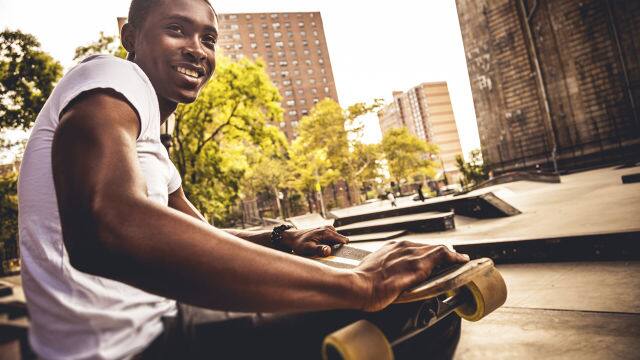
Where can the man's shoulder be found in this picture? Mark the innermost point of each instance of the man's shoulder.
(107, 67)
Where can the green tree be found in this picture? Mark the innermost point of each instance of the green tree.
(474, 171)
(8, 217)
(104, 45)
(216, 138)
(27, 77)
(331, 136)
(406, 154)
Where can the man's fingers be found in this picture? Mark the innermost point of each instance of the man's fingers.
(330, 236)
(323, 250)
(443, 254)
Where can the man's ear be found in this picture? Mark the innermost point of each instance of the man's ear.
(128, 36)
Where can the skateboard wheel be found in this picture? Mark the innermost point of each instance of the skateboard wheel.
(358, 341)
(488, 291)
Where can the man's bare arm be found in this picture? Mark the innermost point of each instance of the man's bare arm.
(111, 229)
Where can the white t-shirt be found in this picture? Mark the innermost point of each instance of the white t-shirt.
(75, 315)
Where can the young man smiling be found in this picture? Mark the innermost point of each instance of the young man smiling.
(108, 236)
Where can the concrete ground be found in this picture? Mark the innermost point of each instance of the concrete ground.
(583, 310)
(562, 310)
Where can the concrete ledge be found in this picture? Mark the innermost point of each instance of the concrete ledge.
(631, 178)
(618, 246)
(516, 176)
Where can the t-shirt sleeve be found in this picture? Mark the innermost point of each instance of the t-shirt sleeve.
(175, 181)
(108, 72)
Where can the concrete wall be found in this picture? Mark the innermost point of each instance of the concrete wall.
(589, 71)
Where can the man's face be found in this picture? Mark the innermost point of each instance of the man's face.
(176, 48)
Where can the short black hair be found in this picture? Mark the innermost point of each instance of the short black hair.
(139, 9)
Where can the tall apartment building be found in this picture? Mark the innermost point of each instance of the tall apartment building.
(294, 48)
(555, 83)
(426, 112)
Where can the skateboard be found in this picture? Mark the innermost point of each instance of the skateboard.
(472, 290)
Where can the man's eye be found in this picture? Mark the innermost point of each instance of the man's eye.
(175, 28)
(209, 41)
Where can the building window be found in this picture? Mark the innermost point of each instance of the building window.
(280, 53)
(316, 41)
(248, 17)
(294, 62)
(250, 26)
(286, 82)
(314, 91)
(300, 91)
(290, 43)
(315, 100)
(303, 33)
(291, 102)
(298, 82)
(320, 61)
(233, 17)
(313, 23)
(236, 36)
(254, 45)
(271, 64)
(306, 51)
(326, 90)
(310, 71)
(264, 26)
(277, 34)
(274, 16)
(265, 34)
(238, 46)
(234, 27)
(300, 24)
(324, 80)
(284, 73)
(308, 62)
(252, 35)
(287, 25)
(296, 72)
(283, 63)
(312, 81)
(275, 26)
(288, 93)
(304, 111)
(315, 33)
(255, 55)
(283, 124)
(305, 43)
(303, 101)
(294, 123)
(289, 33)
(267, 45)
(293, 113)
(279, 44)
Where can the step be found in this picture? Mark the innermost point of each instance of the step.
(417, 223)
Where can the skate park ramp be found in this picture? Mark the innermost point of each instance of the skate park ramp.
(483, 206)
(570, 261)
(309, 221)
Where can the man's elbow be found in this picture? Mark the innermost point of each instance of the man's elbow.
(94, 243)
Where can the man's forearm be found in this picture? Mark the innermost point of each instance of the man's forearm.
(257, 237)
(166, 252)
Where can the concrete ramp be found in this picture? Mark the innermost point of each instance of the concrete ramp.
(416, 223)
(309, 221)
(483, 206)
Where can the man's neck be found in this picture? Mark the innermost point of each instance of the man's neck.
(167, 108)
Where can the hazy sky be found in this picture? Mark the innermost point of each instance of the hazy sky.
(375, 46)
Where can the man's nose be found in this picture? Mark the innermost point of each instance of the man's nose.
(194, 50)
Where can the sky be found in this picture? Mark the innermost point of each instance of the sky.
(375, 46)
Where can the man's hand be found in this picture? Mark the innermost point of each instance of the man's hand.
(314, 242)
(398, 266)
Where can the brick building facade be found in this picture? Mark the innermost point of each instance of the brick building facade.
(554, 80)
(426, 112)
(293, 47)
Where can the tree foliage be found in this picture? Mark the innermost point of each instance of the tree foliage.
(221, 136)
(9, 215)
(27, 77)
(474, 171)
(406, 154)
(104, 45)
(329, 148)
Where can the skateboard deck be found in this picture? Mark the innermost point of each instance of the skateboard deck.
(472, 290)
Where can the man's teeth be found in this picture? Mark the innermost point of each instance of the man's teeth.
(188, 72)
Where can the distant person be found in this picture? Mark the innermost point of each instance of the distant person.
(420, 193)
(116, 261)
(392, 198)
